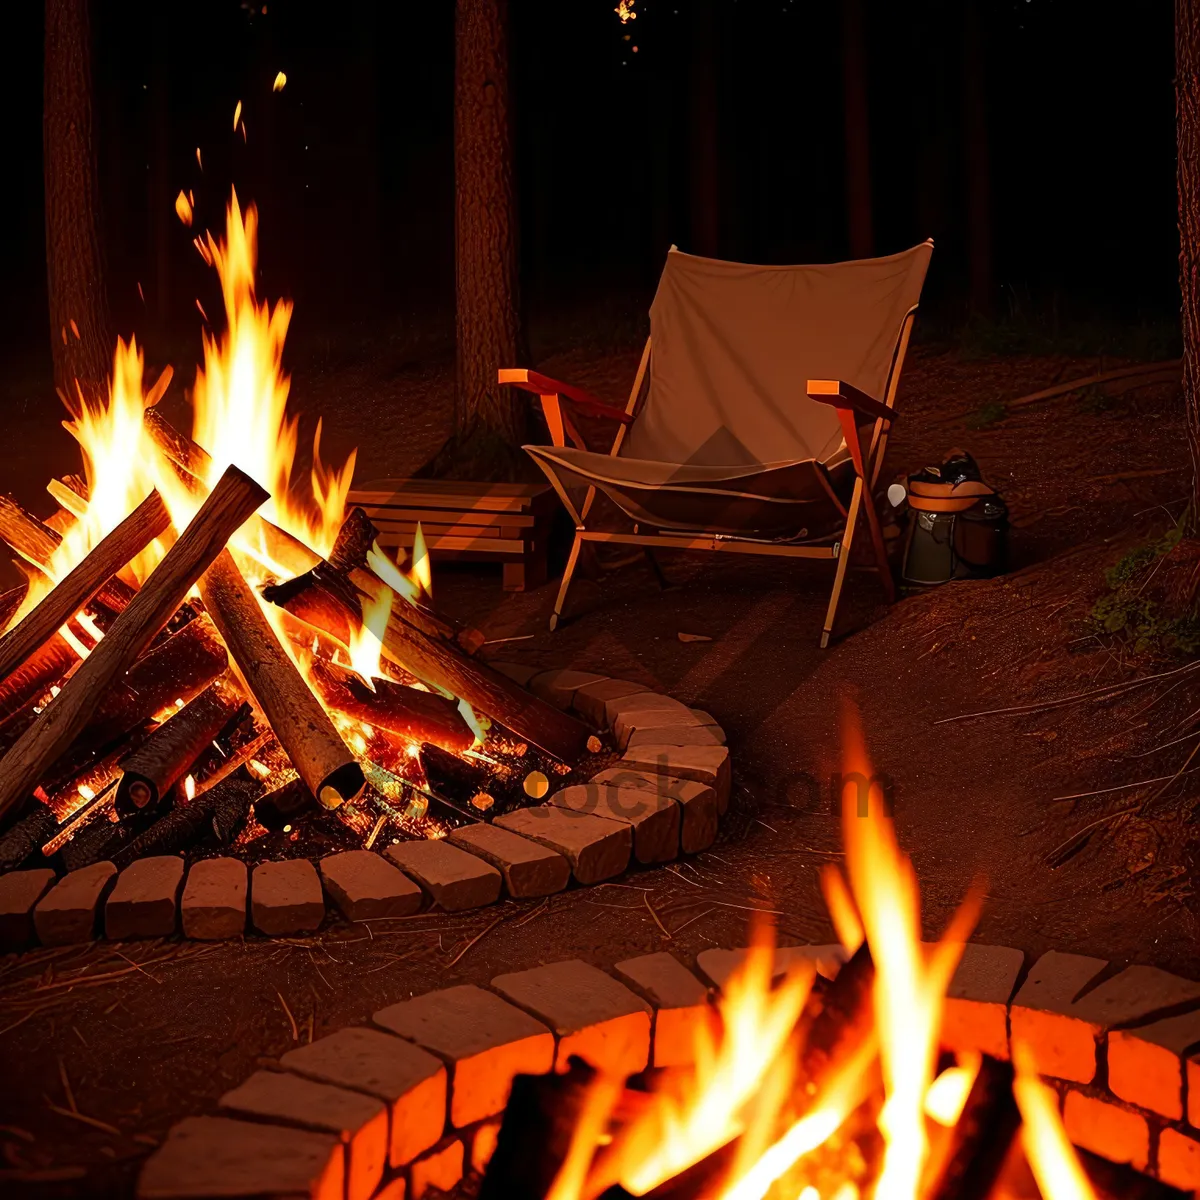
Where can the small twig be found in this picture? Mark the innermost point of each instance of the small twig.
(521, 637)
(707, 912)
(66, 1083)
(95, 1122)
(536, 912)
(138, 966)
(474, 940)
(650, 909)
(291, 1019)
(1060, 853)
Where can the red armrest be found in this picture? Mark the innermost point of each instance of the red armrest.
(839, 394)
(543, 385)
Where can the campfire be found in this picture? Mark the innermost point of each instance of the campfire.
(805, 1087)
(208, 648)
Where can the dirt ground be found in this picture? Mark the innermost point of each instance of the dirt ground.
(140, 1035)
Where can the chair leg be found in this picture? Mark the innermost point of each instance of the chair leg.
(656, 567)
(572, 562)
(843, 561)
(881, 559)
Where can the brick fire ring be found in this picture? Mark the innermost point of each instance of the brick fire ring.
(412, 1100)
(663, 798)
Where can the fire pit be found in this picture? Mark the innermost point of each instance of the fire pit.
(880, 1066)
(201, 667)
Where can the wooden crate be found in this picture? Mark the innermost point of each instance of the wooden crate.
(507, 523)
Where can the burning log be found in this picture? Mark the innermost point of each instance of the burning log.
(36, 542)
(37, 674)
(185, 824)
(238, 758)
(234, 498)
(448, 772)
(975, 1149)
(441, 664)
(100, 804)
(165, 756)
(131, 536)
(392, 707)
(231, 803)
(285, 805)
(10, 601)
(302, 726)
(26, 835)
(837, 1018)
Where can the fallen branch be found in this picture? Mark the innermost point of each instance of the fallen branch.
(148, 521)
(234, 498)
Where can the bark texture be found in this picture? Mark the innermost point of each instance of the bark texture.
(485, 224)
(80, 328)
(1187, 123)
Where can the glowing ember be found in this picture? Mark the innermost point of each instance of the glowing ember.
(183, 208)
(280, 82)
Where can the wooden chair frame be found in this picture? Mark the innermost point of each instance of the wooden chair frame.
(557, 398)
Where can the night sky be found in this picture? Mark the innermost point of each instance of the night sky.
(351, 163)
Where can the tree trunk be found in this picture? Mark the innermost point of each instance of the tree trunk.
(1187, 125)
(975, 153)
(80, 333)
(485, 226)
(858, 130)
(705, 156)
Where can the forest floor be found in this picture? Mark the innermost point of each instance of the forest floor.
(148, 1033)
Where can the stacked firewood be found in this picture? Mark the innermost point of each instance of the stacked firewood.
(147, 719)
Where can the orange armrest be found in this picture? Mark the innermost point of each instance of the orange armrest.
(543, 385)
(839, 394)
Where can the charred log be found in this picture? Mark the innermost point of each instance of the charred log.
(169, 752)
(285, 805)
(231, 802)
(27, 835)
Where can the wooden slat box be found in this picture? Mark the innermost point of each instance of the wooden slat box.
(502, 522)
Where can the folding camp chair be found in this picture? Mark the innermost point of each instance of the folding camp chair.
(759, 422)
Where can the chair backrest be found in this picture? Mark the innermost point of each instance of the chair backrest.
(733, 345)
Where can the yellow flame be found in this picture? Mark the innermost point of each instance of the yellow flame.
(624, 11)
(422, 569)
(401, 584)
(241, 395)
(366, 642)
(280, 82)
(183, 208)
(948, 1093)
(237, 116)
(189, 787)
(1051, 1156)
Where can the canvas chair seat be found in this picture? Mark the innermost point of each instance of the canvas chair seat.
(745, 424)
(783, 501)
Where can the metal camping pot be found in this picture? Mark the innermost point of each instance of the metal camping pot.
(929, 549)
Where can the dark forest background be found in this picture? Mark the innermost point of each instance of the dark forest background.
(724, 131)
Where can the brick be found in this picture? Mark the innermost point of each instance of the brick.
(697, 802)
(144, 902)
(1040, 1015)
(67, 912)
(975, 1011)
(559, 687)
(520, 673)
(1145, 1065)
(654, 818)
(680, 1001)
(1179, 1160)
(1109, 1130)
(718, 965)
(218, 1156)
(453, 878)
(484, 1040)
(675, 735)
(1193, 1091)
(285, 897)
(595, 847)
(704, 764)
(483, 1145)
(359, 1121)
(214, 900)
(1078, 1024)
(440, 1170)
(639, 702)
(528, 868)
(366, 887)
(19, 892)
(590, 700)
(595, 1017)
(650, 711)
(411, 1081)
